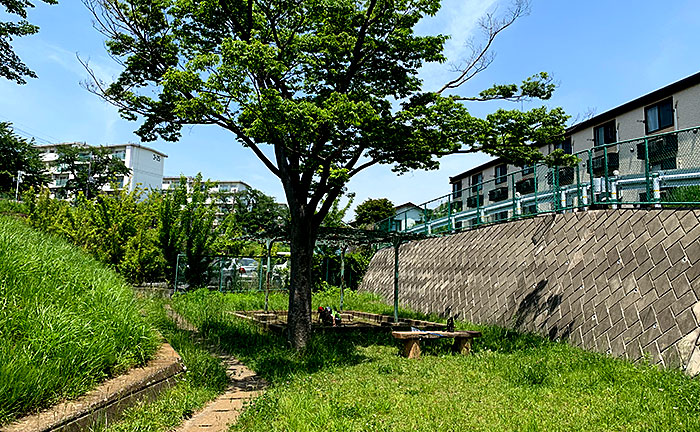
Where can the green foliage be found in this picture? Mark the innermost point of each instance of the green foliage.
(372, 211)
(196, 223)
(11, 66)
(18, 154)
(253, 212)
(336, 213)
(119, 229)
(89, 169)
(169, 205)
(12, 207)
(142, 235)
(558, 158)
(326, 266)
(683, 194)
(66, 321)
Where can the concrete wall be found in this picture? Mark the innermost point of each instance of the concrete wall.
(624, 282)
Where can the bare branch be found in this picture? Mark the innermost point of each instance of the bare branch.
(481, 56)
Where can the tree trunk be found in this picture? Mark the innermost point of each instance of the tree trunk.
(302, 241)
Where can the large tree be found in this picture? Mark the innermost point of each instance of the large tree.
(331, 85)
(11, 66)
(18, 154)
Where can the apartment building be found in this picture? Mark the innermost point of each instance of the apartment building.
(146, 165)
(227, 186)
(642, 130)
(225, 189)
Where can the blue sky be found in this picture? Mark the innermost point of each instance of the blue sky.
(601, 52)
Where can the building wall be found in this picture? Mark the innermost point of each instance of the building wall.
(629, 126)
(146, 168)
(624, 282)
(687, 107)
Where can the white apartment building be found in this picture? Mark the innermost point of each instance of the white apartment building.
(229, 186)
(225, 187)
(146, 165)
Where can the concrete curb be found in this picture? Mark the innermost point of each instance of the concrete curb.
(109, 400)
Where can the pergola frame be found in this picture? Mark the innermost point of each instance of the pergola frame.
(342, 238)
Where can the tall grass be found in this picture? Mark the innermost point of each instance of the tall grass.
(205, 378)
(66, 321)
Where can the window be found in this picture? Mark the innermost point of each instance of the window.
(528, 170)
(659, 116)
(566, 146)
(61, 180)
(457, 189)
(476, 180)
(501, 172)
(605, 134)
(119, 154)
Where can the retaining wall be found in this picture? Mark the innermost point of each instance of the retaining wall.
(623, 282)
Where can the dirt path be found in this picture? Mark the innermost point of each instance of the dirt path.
(244, 385)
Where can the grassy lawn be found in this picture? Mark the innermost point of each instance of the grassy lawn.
(66, 322)
(512, 381)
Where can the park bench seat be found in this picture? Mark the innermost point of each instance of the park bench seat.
(411, 340)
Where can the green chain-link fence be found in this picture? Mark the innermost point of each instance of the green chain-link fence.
(660, 171)
(232, 273)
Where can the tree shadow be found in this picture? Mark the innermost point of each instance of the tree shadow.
(268, 354)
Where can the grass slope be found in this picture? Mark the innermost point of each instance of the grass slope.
(66, 321)
(512, 381)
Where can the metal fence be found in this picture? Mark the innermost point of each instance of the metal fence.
(654, 171)
(232, 273)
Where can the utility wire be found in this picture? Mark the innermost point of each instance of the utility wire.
(41, 137)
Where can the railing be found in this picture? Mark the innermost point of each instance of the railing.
(654, 171)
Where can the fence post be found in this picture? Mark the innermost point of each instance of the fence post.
(450, 227)
(425, 218)
(590, 171)
(478, 204)
(646, 169)
(556, 199)
(607, 175)
(177, 271)
(221, 272)
(578, 185)
(534, 174)
(515, 204)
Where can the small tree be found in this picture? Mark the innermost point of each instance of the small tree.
(332, 86)
(196, 226)
(89, 169)
(11, 66)
(18, 154)
(170, 204)
(372, 211)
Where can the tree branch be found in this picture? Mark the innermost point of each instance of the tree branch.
(481, 57)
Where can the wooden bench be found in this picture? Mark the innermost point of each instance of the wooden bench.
(411, 340)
